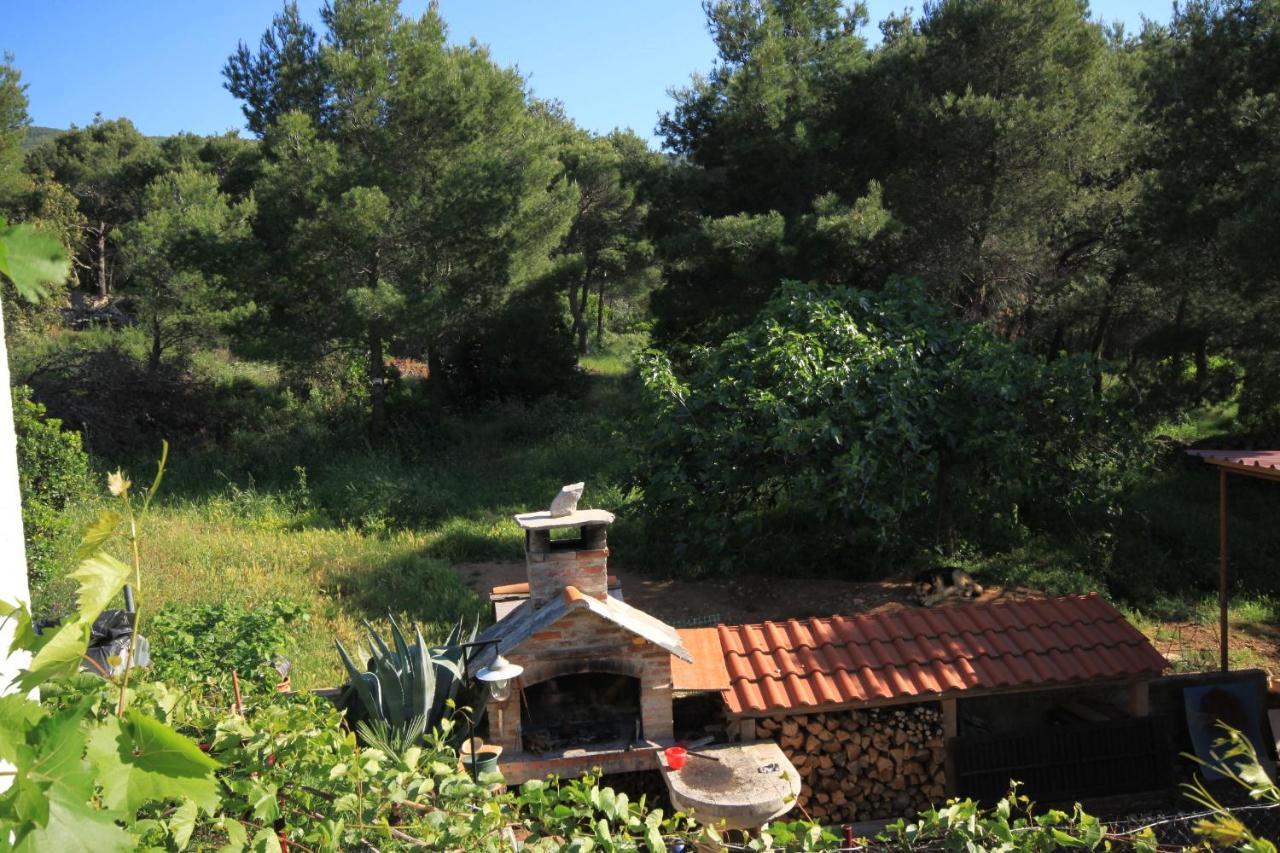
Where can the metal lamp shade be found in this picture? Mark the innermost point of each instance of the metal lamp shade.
(499, 675)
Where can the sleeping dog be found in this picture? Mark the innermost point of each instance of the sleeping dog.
(936, 585)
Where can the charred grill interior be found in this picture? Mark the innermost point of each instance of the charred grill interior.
(581, 710)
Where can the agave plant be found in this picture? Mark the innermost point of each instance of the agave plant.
(404, 682)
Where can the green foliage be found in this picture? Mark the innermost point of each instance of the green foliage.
(1011, 825)
(180, 253)
(31, 260)
(1239, 762)
(59, 756)
(204, 643)
(406, 204)
(864, 422)
(53, 472)
(107, 166)
(412, 686)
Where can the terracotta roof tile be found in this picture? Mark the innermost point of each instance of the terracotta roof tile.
(708, 669)
(926, 653)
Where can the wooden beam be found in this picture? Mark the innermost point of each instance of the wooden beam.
(950, 728)
(1222, 566)
(1139, 699)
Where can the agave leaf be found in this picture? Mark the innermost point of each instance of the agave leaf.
(360, 681)
(475, 629)
(409, 682)
(432, 701)
(378, 645)
(424, 692)
(393, 698)
(397, 637)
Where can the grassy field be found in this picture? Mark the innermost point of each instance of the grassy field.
(372, 532)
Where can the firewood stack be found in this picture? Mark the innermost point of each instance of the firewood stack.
(865, 764)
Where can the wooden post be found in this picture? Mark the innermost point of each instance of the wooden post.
(1139, 699)
(1222, 564)
(950, 728)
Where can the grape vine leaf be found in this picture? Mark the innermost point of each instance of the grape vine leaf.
(102, 529)
(74, 827)
(101, 578)
(139, 760)
(52, 788)
(17, 714)
(183, 823)
(31, 259)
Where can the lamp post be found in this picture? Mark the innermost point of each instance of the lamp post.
(498, 676)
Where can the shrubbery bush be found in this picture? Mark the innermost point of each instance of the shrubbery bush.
(865, 426)
(205, 643)
(54, 473)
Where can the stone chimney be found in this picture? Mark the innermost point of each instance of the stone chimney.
(570, 549)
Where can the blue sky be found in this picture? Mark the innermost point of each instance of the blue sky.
(159, 62)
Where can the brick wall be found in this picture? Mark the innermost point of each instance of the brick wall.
(550, 572)
(583, 642)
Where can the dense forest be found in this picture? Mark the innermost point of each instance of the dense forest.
(949, 287)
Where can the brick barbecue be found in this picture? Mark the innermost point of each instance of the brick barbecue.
(597, 684)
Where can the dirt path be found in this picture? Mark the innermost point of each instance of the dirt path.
(738, 600)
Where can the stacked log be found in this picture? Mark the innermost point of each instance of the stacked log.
(864, 764)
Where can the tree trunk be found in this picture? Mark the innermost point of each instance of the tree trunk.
(578, 312)
(600, 317)
(581, 325)
(157, 347)
(377, 383)
(104, 286)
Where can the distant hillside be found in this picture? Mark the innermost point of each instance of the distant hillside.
(37, 136)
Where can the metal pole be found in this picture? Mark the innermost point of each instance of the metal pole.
(1222, 563)
(471, 721)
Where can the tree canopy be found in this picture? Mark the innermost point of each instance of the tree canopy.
(414, 196)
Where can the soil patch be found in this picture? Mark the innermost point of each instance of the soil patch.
(739, 600)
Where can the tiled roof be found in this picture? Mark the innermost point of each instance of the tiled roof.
(1260, 462)
(526, 620)
(924, 653)
(706, 672)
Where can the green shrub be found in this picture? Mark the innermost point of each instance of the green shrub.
(866, 425)
(53, 470)
(204, 643)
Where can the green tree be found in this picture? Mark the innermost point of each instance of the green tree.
(1014, 123)
(863, 425)
(988, 147)
(283, 76)
(419, 195)
(1211, 95)
(13, 130)
(180, 254)
(107, 167)
(606, 248)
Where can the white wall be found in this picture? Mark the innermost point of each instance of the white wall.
(13, 558)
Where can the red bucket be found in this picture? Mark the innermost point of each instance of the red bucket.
(676, 756)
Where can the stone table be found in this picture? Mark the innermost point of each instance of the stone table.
(749, 785)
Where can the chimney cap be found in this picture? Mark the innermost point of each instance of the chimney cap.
(543, 520)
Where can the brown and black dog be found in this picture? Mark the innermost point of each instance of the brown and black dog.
(937, 585)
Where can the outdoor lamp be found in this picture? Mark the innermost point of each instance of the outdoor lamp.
(499, 675)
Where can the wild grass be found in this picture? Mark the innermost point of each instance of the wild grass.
(357, 531)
